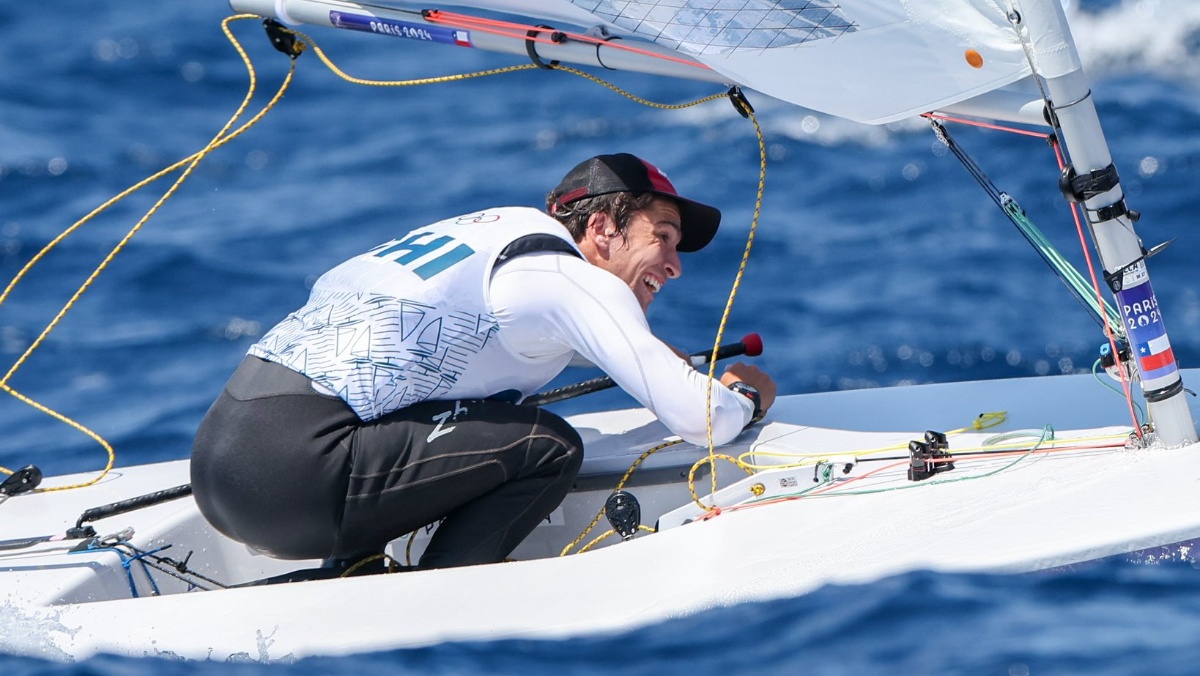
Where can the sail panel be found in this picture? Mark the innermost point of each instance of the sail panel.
(872, 61)
(722, 27)
(899, 62)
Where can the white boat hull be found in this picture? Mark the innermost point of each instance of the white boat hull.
(1008, 514)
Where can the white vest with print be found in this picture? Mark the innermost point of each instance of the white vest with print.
(410, 321)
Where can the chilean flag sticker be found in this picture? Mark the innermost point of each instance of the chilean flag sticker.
(1146, 333)
(1155, 354)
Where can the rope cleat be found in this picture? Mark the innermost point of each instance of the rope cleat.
(929, 457)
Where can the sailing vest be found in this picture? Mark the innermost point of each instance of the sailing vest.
(411, 321)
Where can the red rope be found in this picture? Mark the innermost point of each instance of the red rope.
(1112, 341)
(986, 125)
(521, 32)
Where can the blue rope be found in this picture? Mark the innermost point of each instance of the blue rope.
(127, 562)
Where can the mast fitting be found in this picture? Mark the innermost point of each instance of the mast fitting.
(1114, 279)
(1083, 187)
(556, 36)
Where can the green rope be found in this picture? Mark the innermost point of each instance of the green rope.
(1067, 272)
(1075, 282)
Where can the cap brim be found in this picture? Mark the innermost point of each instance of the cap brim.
(698, 222)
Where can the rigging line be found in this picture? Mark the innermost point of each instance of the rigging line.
(521, 32)
(1056, 143)
(985, 125)
(408, 547)
(1070, 275)
(150, 559)
(968, 453)
(936, 482)
(192, 161)
(817, 457)
(1109, 333)
(968, 162)
(830, 490)
(1071, 278)
(743, 106)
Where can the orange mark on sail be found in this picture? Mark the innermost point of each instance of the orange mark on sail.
(974, 58)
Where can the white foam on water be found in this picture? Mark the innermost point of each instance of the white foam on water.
(1158, 36)
(32, 632)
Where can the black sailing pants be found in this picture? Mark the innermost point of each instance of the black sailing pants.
(298, 475)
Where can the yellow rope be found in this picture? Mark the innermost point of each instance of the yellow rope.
(600, 538)
(191, 162)
(711, 460)
(634, 97)
(112, 456)
(400, 83)
(737, 281)
(392, 564)
(408, 547)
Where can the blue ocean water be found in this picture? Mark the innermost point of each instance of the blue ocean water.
(877, 262)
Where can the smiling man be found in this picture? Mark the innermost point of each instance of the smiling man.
(390, 401)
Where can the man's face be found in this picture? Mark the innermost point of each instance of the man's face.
(644, 256)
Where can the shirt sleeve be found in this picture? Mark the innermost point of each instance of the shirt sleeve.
(548, 304)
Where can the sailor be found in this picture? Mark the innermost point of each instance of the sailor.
(390, 400)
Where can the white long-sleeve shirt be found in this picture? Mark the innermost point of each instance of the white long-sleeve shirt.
(430, 316)
(549, 306)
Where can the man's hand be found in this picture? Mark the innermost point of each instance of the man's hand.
(754, 377)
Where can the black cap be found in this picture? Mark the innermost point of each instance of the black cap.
(605, 174)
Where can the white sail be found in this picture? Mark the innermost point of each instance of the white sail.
(872, 61)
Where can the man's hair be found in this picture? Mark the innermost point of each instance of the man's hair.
(619, 205)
